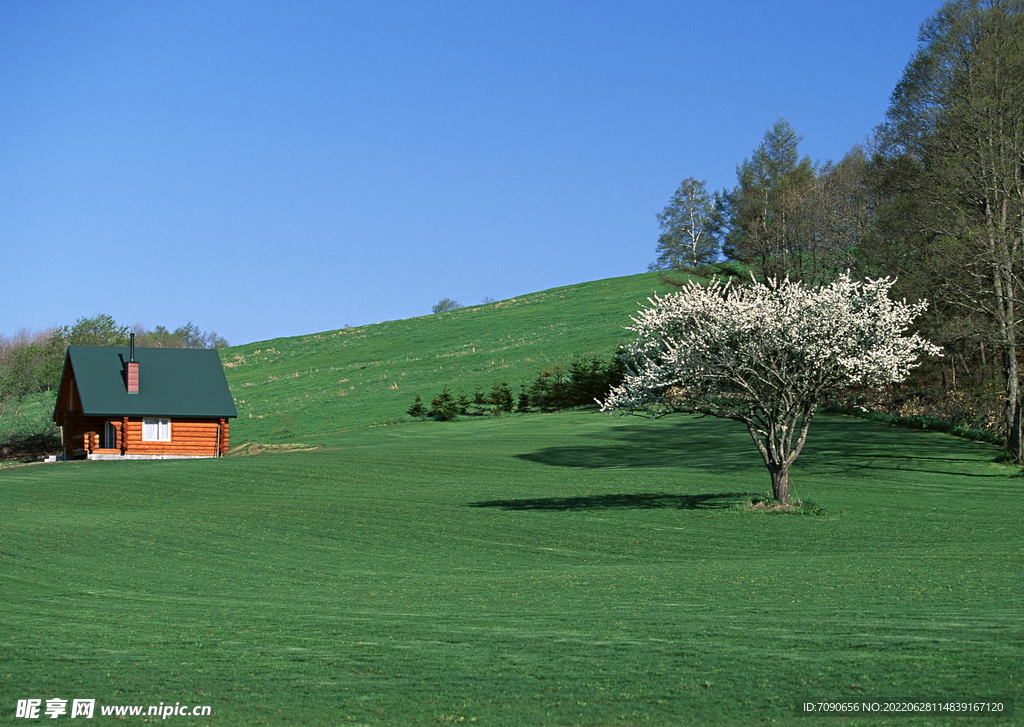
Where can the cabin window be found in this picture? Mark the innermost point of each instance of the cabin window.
(156, 430)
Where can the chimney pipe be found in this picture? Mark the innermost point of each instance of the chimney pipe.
(132, 373)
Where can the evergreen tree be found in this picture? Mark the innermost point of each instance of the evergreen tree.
(768, 214)
(501, 397)
(444, 408)
(417, 409)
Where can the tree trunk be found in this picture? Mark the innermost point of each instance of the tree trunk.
(774, 440)
(780, 483)
(1014, 441)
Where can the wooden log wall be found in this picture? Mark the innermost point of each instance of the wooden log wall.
(192, 437)
(81, 435)
(225, 439)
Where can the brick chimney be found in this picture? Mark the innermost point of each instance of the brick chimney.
(132, 372)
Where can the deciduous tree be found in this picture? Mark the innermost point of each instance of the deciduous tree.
(101, 330)
(767, 355)
(186, 336)
(688, 229)
(952, 154)
(444, 305)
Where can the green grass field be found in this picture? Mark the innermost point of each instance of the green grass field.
(557, 569)
(565, 569)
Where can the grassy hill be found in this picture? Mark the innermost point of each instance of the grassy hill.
(537, 570)
(353, 377)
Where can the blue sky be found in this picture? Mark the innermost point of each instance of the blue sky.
(269, 169)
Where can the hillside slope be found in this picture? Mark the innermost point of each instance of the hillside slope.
(288, 388)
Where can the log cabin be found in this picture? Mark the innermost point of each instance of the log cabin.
(118, 402)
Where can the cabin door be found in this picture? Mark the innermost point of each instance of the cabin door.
(109, 435)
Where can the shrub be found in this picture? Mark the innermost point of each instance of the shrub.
(29, 445)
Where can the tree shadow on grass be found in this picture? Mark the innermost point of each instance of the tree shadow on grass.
(835, 443)
(639, 501)
(685, 442)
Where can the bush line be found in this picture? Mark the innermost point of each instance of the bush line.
(581, 383)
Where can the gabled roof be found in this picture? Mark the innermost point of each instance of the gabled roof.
(173, 382)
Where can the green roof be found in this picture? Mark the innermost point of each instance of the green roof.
(173, 382)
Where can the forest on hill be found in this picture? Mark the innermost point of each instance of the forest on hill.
(934, 198)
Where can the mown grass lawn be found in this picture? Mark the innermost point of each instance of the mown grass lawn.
(565, 569)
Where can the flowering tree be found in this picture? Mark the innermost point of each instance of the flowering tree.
(767, 355)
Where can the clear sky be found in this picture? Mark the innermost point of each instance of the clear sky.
(268, 169)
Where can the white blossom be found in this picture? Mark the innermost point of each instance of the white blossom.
(767, 354)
